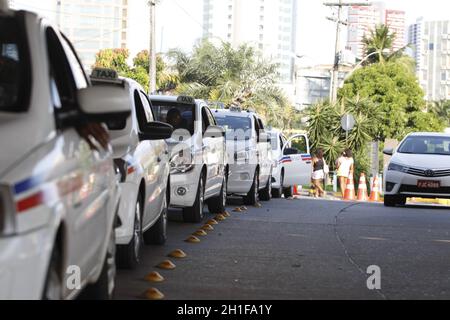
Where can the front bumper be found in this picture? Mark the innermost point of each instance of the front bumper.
(240, 180)
(127, 208)
(188, 183)
(398, 183)
(24, 261)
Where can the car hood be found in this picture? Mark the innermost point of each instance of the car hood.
(423, 161)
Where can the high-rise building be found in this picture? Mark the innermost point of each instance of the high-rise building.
(363, 19)
(431, 46)
(270, 25)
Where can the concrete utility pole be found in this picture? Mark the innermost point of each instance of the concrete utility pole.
(152, 49)
(337, 59)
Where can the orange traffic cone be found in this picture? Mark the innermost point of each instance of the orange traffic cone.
(375, 194)
(362, 188)
(350, 190)
(297, 191)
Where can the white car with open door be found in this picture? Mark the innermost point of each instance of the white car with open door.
(197, 156)
(249, 155)
(59, 193)
(292, 163)
(419, 167)
(141, 154)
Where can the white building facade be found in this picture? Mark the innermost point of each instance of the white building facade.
(269, 25)
(431, 48)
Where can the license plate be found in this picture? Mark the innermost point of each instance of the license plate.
(424, 184)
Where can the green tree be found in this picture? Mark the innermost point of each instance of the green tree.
(393, 90)
(441, 109)
(113, 59)
(379, 40)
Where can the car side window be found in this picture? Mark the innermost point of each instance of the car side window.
(60, 73)
(212, 120)
(147, 107)
(78, 73)
(205, 120)
(140, 110)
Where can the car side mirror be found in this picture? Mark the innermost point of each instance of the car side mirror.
(215, 132)
(388, 152)
(290, 151)
(104, 104)
(156, 131)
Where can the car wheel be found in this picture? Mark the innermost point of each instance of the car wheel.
(266, 193)
(53, 290)
(104, 288)
(157, 235)
(277, 193)
(288, 192)
(128, 256)
(218, 204)
(252, 197)
(195, 214)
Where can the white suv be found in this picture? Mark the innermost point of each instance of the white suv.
(292, 163)
(198, 157)
(59, 193)
(249, 155)
(141, 154)
(419, 167)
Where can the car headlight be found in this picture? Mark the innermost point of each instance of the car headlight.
(181, 162)
(7, 213)
(397, 167)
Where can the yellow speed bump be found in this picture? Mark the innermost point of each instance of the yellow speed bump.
(220, 217)
(238, 210)
(200, 233)
(226, 214)
(178, 254)
(153, 294)
(208, 227)
(258, 205)
(166, 265)
(193, 239)
(154, 277)
(244, 208)
(213, 222)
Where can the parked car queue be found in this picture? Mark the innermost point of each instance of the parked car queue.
(90, 165)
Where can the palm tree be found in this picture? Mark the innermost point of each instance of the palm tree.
(380, 40)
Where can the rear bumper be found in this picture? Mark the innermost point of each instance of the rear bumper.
(124, 233)
(241, 179)
(24, 262)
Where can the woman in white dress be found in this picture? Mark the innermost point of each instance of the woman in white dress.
(345, 168)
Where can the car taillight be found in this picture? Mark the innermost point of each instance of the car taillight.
(7, 213)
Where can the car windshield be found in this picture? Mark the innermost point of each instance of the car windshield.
(239, 128)
(179, 116)
(14, 70)
(426, 145)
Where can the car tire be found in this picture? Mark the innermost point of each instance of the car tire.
(288, 192)
(218, 204)
(53, 288)
(128, 256)
(104, 288)
(157, 234)
(392, 201)
(195, 214)
(252, 197)
(266, 193)
(278, 193)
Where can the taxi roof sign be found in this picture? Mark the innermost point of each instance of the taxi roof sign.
(104, 74)
(186, 100)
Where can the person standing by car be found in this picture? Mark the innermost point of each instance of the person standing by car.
(345, 167)
(318, 174)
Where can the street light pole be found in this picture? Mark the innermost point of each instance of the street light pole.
(152, 49)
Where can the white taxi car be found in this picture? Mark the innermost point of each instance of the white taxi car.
(249, 155)
(141, 154)
(292, 163)
(59, 193)
(419, 167)
(198, 157)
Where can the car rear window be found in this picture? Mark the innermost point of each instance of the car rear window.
(14, 65)
(180, 116)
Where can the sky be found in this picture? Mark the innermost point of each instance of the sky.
(179, 23)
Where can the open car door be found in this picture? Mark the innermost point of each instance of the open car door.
(297, 161)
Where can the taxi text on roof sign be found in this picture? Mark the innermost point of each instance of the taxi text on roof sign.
(185, 100)
(104, 74)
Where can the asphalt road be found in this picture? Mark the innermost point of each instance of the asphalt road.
(305, 249)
